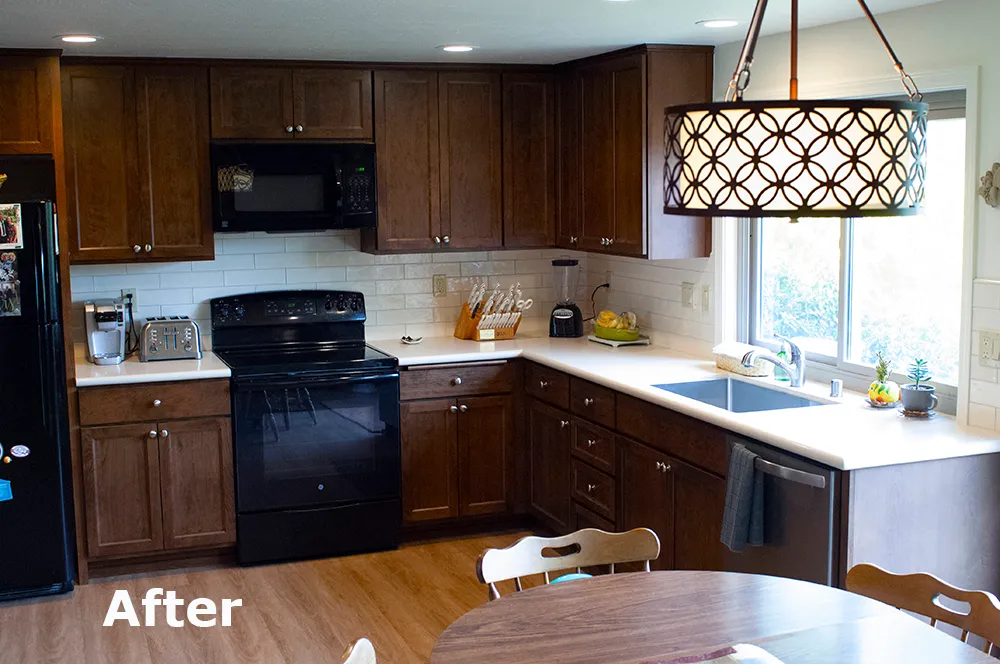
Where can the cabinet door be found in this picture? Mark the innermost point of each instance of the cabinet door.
(549, 430)
(252, 102)
(430, 460)
(196, 475)
(597, 157)
(26, 111)
(121, 486)
(570, 177)
(699, 501)
(470, 106)
(529, 160)
(485, 442)
(332, 103)
(406, 147)
(645, 481)
(628, 81)
(173, 119)
(102, 177)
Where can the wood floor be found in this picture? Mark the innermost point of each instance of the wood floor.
(296, 613)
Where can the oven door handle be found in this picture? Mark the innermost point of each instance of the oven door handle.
(304, 381)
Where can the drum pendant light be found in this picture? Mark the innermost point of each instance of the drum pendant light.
(792, 158)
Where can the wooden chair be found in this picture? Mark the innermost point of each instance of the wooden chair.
(584, 548)
(360, 652)
(922, 593)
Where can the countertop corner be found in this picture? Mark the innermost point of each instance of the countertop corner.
(132, 371)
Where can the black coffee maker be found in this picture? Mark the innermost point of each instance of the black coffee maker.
(566, 319)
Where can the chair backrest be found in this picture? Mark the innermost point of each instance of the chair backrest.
(584, 548)
(360, 652)
(922, 593)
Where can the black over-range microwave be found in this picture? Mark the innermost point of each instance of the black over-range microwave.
(293, 186)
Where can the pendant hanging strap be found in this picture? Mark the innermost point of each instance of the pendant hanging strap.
(908, 83)
(741, 77)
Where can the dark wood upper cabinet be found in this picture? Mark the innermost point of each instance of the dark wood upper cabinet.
(407, 150)
(26, 111)
(102, 167)
(429, 460)
(485, 442)
(597, 156)
(569, 185)
(137, 162)
(470, 105)
(196, 475)
(646, 495)
(122, 489)
(550, 440)
(629, 122)
(252, 102)
(529, 160)
(699, 502)
(332, 103)
(174, 190)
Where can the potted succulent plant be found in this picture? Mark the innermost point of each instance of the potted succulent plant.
(918, 397)
(883, 393)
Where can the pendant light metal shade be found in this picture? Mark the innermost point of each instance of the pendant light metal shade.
(795, 158)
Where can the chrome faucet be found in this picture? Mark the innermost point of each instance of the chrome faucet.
(796, 370)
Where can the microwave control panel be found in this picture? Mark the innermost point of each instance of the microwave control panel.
(359, 191)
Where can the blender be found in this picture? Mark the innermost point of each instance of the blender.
(566, 319)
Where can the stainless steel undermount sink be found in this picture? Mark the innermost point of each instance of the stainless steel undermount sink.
(738, 396)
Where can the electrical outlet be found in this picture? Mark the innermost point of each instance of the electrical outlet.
(989, 348)
(706, 298)
(135, 301)
(687, 295)
(440, 287)
(607, 278)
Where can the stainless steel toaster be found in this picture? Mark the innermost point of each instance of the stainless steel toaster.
(170, 338)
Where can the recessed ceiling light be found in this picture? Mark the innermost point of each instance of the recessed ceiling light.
(456, 48)
(719, 23)
(79, 39)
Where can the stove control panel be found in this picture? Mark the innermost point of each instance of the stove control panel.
(288, 308)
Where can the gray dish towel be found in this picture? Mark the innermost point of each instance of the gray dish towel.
(743, 520)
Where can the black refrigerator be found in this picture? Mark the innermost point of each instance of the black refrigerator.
(35, 514)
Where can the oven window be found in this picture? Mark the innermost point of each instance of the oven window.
(317, 444)
(283, 193)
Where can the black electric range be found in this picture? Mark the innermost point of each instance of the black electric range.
(315, 417)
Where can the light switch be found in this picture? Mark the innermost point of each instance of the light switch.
(706, 298)
(687, 295)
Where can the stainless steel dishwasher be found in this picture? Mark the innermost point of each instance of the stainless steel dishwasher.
(801, 533)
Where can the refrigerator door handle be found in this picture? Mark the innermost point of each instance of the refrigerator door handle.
(55, 224)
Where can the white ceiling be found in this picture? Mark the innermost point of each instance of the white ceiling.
(528, 31)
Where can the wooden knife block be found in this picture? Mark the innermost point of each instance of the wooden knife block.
(467, 327)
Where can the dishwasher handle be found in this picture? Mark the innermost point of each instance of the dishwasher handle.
(790, 474)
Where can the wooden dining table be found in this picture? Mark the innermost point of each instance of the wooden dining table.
(657, 616)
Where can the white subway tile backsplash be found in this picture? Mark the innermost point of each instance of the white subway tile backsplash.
(298, 259)
(264, 245)
(986, 294)
(98, 270)
(314, 275)
(982, 416)
(120, 281)
(222, 262)
(192, 279)
(165, 296)
(404, 287)
(405, 316)
(345, 258)
(254, 277)
(460, 257)
(481, 268)
(425, 270)
(323, 243)
(375, 273)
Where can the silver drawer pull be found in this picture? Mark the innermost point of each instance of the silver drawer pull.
(588, 402)
(543, 384)
(790, 474)
(591, 442)
(157, 403)
(563, 424)
(591, 487)
(457, 380)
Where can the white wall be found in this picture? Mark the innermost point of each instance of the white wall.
(944, 45)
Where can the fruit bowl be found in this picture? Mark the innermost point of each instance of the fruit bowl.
(614, 334)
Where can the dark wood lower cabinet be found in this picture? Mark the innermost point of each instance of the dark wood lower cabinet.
(584, 518)
(196, 473)
(646, 487)
(699, 501)
(122, 490)
(549, 432)
(430, 460)
(485, 437)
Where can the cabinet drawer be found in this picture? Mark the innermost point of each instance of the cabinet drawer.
(678, 435)
(455, 381)
(547, 384)
(594, 445)
(593, 489)
(154, 402)
(584, 518)
(593, 402)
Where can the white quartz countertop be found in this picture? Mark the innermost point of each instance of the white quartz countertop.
(846, 434)
(133, 371)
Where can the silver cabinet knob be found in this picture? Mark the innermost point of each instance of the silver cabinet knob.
(457, 380)
(611, 241)
(453, 409)
(604, 241)
(157, 403)
(662, 467)
(289, 129)
(437, 239)
(152, 434)
(164, 433)
(563, 424)
(588, 402)
(136, 248)
(573, 239)
(148, 248)
(463, 408)
(298, 128)
(543, 384)
(591, 442)
(591, 487)
(446, 239)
